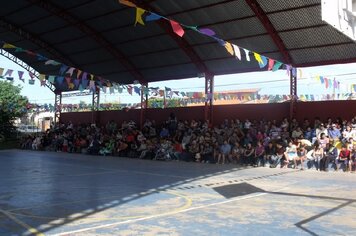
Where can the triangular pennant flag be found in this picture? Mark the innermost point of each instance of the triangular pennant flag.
(59, 79)
(8, 45)
(120, 89)
(52, 62)
(294, 72)
(91, 84)
(1, 71)
(81, 88)
(321, 78)
(177, 28)
(264, 62)
(19, 49)
(71, 86)
(137, 90)
(63, 69)
(42, 77)
(84, 76)
(31, 75)
(153, 17)
(104, 89)
(112, 90)
(220, 41)
(270, 64)
(229, 48)
(8, 73)
(21, 76)
(247, 53)
(167, 89)
(70, 71)
(43, 83)
(139, 13)
(129, 89)
(237, 51)
(127, 3)
(258, 57)
(76, 82)
(31, 81)
(206, 31)
(330, 83)
(300, 73)
(326, 81)
(79, 72)
(41, 58)
(51, 79)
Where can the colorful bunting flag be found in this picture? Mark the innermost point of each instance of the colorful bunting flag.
(127, 3)
(8, 45)
(177, 28)
(247, 53)
(139, 13)
(270, 64)
(237, 51)
(20, 73)
(8, 73)
(229, 48)
(153, 17)
(206, 31)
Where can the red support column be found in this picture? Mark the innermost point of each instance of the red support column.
(293, 93)
(144, 103)
(209, 93)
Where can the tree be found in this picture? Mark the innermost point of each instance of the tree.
(12, 106)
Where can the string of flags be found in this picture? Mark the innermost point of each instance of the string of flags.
(143, 16)
(177, 102)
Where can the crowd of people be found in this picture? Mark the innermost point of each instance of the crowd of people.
(324, 146)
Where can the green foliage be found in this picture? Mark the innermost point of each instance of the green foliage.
(12, 106)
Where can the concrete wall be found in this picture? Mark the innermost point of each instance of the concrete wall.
(333, 109)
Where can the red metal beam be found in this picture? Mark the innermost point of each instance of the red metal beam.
(261, 15)
(120, 57)
(181, 42)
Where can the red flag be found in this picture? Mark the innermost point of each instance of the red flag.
(177, 28)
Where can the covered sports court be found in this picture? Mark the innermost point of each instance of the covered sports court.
(48, 193)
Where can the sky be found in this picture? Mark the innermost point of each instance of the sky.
(269, 83)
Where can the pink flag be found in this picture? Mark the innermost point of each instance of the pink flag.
(177, 28)
(270, 64)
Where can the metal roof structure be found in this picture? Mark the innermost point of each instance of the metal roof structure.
(100, 36)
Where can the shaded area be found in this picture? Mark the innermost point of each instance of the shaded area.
(237, 190)
(51, 189)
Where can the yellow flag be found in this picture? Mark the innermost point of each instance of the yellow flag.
(300, 73)
(7, 45)
(42, 77)
(91, 76)
(258, 58)
(71, 86)
(127, 3)
(229, 48)
(139, 13)
(1, 71)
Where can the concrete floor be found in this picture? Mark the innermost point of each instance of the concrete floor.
(67, 194)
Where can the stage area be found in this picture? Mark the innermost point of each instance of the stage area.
(45, 193)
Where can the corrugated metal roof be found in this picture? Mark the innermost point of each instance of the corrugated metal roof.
(99, 36)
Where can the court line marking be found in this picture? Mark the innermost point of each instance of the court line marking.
(188, 203)
(30, 229)
(163, 214)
